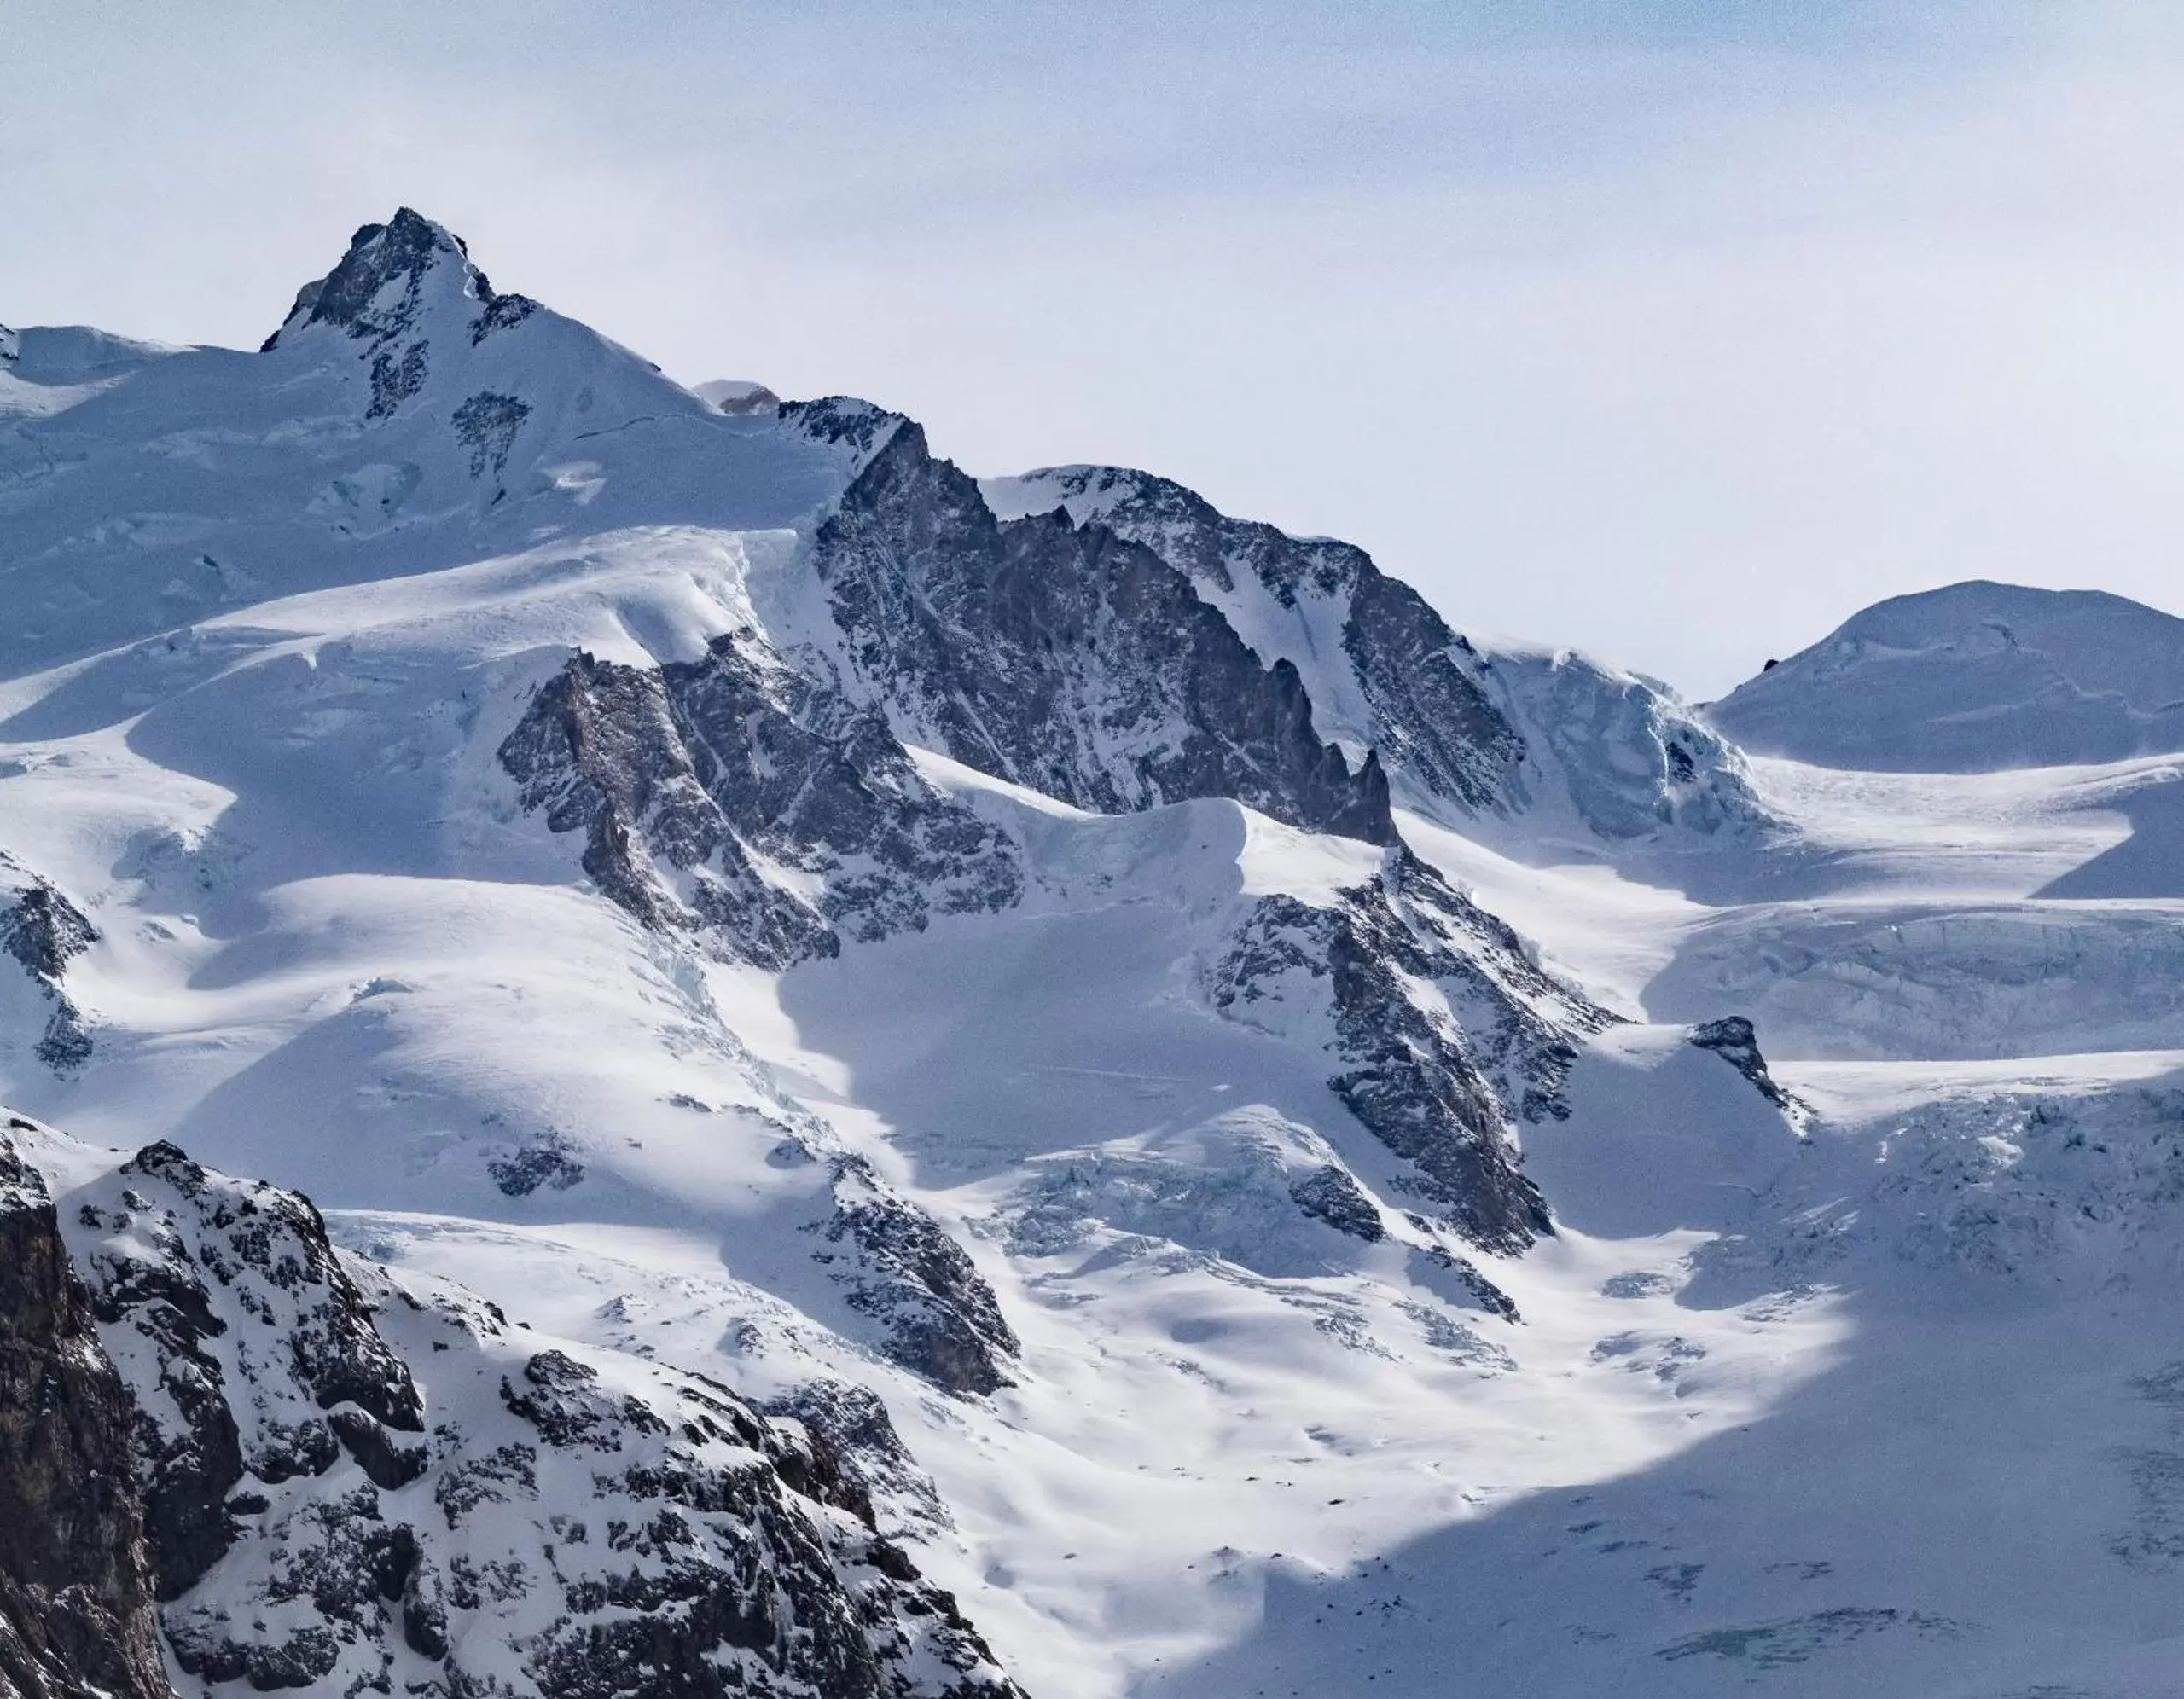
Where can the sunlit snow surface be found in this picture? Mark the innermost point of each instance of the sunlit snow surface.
(1885, 1396)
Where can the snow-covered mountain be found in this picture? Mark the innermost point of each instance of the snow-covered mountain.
(1972, 679)
(918, 1085)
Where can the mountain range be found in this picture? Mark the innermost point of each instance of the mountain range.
(661, 1045)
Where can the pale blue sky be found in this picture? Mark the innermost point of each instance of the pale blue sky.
(1674, 331)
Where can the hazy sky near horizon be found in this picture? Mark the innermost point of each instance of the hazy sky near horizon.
(1675, 331)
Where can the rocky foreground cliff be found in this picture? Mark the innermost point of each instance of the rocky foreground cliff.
(224, 1437)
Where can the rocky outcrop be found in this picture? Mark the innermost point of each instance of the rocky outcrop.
(1070, 660)
(686, 778)
(1423, 682)
(1733, 1040)
(598, 751)
(899, 1266)
(827, 788)
(874, 1476)
(485, 424)
(45, 932)
(339, 1484)
(167, 1251)
(76, 1586)
(1443, 1032)
(1331, 1194)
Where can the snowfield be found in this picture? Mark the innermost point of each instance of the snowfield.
(1127, 1172)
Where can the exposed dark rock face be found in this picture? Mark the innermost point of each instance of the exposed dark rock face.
(395, 380)
(398, 255)
(869, 1471)
(487, 425)
(683, 777)
(1428, 708)
(1733, 1039)
(76, 1608)
(598, 750)
(544, 1162)
(399, 284)
(401, 250)
(365, 1489)
(940, 1317)
(43, 931)
(1437, 1081)
(1483, 733)
(1329, 1194)
(859, 429)
(827, 788)
(1069, 660)
(502, 312)
(1430, 718)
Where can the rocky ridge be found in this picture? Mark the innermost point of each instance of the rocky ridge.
(1073, 661)
(1463, 732)
(1445, 1032)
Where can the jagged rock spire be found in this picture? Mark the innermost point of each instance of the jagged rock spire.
(379, 289)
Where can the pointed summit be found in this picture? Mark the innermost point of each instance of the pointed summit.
(380, 288)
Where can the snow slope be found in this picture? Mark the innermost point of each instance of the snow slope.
(1244, 1230)
(1972, 678)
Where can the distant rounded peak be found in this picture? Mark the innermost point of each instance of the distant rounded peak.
(737, 395)
(2085, 631)
(11, 344)
(1982, 615)
(1975, 676)
(379, 286)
